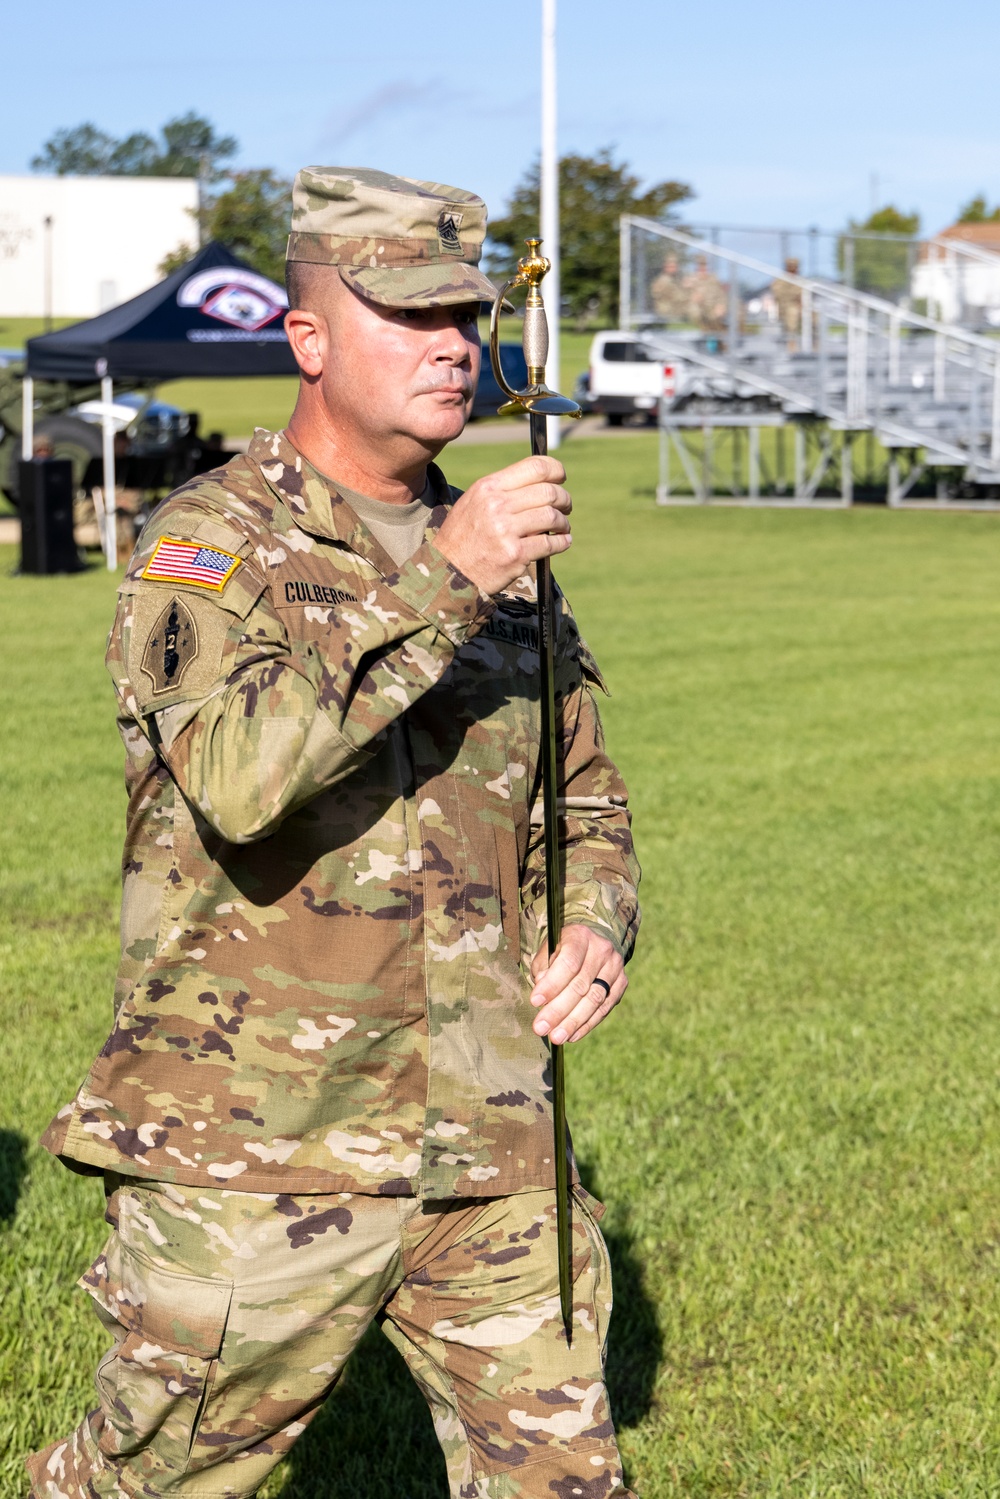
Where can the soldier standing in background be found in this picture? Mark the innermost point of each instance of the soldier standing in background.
(707, 297)
(670, 294)
(325, 1097)
(788, 299)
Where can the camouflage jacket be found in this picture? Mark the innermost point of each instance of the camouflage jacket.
(332, 869)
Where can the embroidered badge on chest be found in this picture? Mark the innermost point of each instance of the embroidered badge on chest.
(187, 562)
(515, 623)
(171, 648)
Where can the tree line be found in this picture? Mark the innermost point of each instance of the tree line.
(883, 267)
(249, 210)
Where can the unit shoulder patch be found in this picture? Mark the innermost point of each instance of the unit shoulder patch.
(175, 645)
(171, 647)
(190, 563)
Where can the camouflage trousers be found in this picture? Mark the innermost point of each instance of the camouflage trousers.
(233, 1314)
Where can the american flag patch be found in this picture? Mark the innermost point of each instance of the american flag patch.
(187, 562)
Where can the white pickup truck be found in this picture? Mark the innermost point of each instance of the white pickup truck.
(627, 377)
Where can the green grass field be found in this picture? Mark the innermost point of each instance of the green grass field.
(794, 1118)
(14, 331)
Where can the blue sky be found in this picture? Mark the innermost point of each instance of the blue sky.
(775, 113)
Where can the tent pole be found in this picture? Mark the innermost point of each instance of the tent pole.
(108, 444)
(27, 418)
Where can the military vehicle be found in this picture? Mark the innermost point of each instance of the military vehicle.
(71, 437)
(162, 445)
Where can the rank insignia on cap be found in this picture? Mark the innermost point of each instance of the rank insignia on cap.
(187, 562)
(448, 223)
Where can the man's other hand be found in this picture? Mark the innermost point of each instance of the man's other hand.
(507, 520)
(570, 1002)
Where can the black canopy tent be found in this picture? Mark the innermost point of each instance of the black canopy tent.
(215, 317)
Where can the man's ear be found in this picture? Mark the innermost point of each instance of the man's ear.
(307, 335)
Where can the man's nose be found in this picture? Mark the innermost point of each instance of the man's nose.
(450, 346)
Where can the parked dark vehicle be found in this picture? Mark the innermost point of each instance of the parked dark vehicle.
(489, 396)
(157, 446)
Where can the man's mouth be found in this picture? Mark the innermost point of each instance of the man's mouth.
(450, 392)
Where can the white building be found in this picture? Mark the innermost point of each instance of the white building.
(71, 247)
(957, 274)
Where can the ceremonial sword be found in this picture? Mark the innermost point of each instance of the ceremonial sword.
(540, 402)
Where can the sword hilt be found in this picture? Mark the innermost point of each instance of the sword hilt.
(536, 397)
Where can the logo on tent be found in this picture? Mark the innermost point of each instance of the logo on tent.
(240, 306)
(240, 298)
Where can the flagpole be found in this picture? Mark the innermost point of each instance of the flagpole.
(550, 201)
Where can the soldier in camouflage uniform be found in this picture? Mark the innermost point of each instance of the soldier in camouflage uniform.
(670, 292)
(788, 299)
(707, 299)
(325, 1095)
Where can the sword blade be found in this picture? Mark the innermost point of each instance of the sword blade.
(553, 893)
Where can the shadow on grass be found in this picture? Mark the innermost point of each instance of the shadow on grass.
(635, 1343)
(13, 1165)
(374, 1436)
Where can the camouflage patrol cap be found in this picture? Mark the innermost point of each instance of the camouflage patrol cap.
(397, 240)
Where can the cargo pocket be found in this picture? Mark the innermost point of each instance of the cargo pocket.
(590, 1211)
(154, 1383)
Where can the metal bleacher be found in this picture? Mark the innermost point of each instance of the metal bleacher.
(927, 391)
